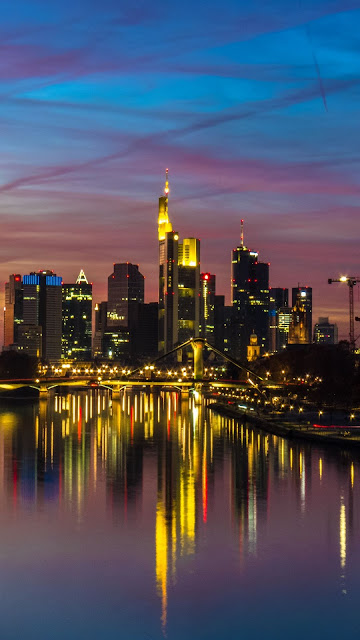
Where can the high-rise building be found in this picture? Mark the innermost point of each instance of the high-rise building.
(13, 312)
(207, 307)
(304, 294)
(188, 289)
(250, 298)
(168, 275)
(118, 319)
(279, 299)
(325, 332)
(100, 328)
(42, 307)
(125, 287)
(284, 321)
(77, 319)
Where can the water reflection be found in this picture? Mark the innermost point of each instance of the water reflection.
(194, 471)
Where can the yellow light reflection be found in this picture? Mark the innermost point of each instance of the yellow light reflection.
(342, 538)
(161, 560)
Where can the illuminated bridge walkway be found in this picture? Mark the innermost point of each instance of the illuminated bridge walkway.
(144, 377)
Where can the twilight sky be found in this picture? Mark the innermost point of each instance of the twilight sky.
(253, 106)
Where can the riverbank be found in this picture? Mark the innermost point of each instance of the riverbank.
(344, 436)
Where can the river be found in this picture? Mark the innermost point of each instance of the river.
(150, 518)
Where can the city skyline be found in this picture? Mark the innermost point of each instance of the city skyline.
(240, 246)
(252, 108)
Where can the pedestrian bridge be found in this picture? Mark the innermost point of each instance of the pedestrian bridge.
(137, 377)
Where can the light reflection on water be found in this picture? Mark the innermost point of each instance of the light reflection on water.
(195, 522)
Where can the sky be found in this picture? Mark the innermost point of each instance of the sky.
(253, 107)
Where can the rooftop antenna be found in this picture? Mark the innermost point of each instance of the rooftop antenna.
(166, 190)
(242, 234)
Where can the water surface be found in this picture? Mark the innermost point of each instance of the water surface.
(152, 518)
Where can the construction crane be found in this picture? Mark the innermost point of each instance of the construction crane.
(351, 281)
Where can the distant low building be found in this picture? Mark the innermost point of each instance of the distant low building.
(253, 350)
(325, 332)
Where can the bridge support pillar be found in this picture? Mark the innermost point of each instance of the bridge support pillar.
(116, 393)
(198, 346)
(43, 392)
(198, 393)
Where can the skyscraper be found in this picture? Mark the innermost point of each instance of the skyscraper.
(13, 309)
(279, 299)
(302, 298)
(42, 307)
(207, 307)
(168, 275)
(250, 297)
(188, 289)
(77, 319)
(284, 322)
(125, 287)
(116, 321)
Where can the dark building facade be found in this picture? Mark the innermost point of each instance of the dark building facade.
(250, 299)
(13, 310)
(125, 288)
(144, 334)
(125, 328)
(77, 319)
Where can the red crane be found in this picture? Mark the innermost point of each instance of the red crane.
(351, 281)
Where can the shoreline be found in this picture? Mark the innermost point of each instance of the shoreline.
(292, 431)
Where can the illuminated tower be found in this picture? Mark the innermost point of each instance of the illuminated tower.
(305, 295)
(298, 333)
(207, 307)
(168, 275)
(76, 319)
(189, 289)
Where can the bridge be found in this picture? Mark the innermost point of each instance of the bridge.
(143, 376)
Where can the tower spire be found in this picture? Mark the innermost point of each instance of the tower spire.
(242, 234)
(164, 224)
(82, 278)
